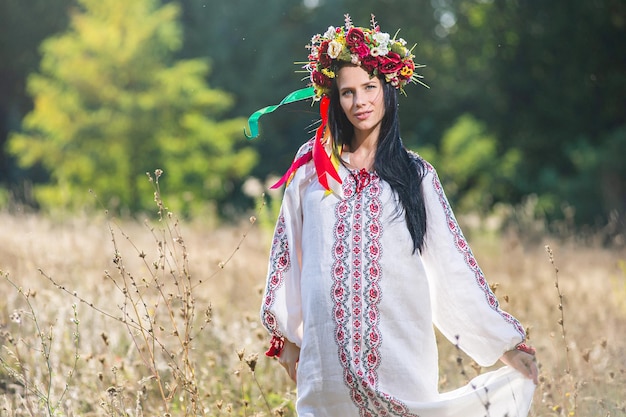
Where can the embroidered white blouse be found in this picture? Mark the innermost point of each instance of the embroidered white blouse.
(344, 285)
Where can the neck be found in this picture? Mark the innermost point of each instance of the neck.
(362, 151)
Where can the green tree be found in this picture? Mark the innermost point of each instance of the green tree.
(256, 48)
(548, 79)
(23, 26)
(474, 175)
(111, 104)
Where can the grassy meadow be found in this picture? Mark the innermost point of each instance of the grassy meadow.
(104, 317)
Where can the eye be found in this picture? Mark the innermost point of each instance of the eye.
(370, 87)
(346, 93)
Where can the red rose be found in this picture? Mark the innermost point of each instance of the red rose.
(355, 37)
(390, 63)
(369, 63)
(323, 57)
(320, 79)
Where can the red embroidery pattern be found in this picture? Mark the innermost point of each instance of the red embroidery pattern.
(463, 247)
(280, 263)
(356, 294)
(280, 260)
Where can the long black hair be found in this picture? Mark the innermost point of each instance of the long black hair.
(402, 171)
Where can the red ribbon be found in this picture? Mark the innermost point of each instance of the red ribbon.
(322, 161)
(292, 169)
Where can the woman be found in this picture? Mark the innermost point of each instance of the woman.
(367, 255)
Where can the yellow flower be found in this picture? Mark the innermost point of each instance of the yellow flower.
(328, 73)
(406, 71)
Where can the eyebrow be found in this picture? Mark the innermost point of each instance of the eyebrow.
(365, 84)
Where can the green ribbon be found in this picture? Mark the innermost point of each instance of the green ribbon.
(253, 121)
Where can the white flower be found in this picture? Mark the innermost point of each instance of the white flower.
(334, 49)
(383, 50)
(330, 33)
(354, 59)
(392, 79)
(375, 51)
(382, 38)
(402, 42)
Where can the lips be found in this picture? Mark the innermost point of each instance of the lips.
(363, 115)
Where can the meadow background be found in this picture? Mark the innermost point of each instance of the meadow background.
(126, 294)
(108, 317)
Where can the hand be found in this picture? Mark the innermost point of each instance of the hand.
(289, 357)
(523, 362)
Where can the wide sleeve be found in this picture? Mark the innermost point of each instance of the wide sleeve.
(281, 309)
(464, 308)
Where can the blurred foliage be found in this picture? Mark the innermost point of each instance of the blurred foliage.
(549, 79)
(467, 162)
(23, 26)
(111, 105)
(529, 94)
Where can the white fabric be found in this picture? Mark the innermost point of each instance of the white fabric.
(345, 286)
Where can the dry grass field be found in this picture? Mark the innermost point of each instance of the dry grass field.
(100, 317)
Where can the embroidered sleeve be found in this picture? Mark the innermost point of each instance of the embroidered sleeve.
(464, 308)
(281, 309)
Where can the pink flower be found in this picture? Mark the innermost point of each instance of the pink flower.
(362, 50)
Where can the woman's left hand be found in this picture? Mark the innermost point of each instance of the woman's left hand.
(523, 362)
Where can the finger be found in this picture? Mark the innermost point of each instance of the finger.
(522, 367)
(290, 368)
(285, 365)
(293, 373)
(534, 371)
(531, 370)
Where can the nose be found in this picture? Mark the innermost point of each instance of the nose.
(359, 99)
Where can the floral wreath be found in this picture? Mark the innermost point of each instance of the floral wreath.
(377, 52)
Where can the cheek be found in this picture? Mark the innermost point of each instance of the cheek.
(380, 104)
(375, 97)
(345, 103)
(379, 98)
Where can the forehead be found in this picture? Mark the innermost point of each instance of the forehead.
(353, 76)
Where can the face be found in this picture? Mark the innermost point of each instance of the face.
(362, 99)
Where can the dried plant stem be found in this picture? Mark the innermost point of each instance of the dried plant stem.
(568, 370)
(561, 308)
(267, 404)
(46, 339)
(223, 264)
(156, 314)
